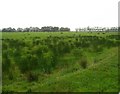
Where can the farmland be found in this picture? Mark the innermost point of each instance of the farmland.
(60, 61)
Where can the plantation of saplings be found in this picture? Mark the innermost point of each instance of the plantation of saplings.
(60, 61)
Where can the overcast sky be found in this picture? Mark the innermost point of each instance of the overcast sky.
(66, 13)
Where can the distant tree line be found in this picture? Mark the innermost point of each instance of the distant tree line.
(36, 29)
(57, 29)
(98, 29)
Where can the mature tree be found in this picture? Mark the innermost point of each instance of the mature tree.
(26, 29)
(19, 30)
(64, 29)
(8, 29)
(54, 29)
(34, 29)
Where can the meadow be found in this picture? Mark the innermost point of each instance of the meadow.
(60, 61)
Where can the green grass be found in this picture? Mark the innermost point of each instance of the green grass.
(30, 35)
(100, 75)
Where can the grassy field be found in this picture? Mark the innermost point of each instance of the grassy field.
(30, 35)
(60, 61)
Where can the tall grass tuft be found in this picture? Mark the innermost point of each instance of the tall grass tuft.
(83, 62)
(32, 76)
